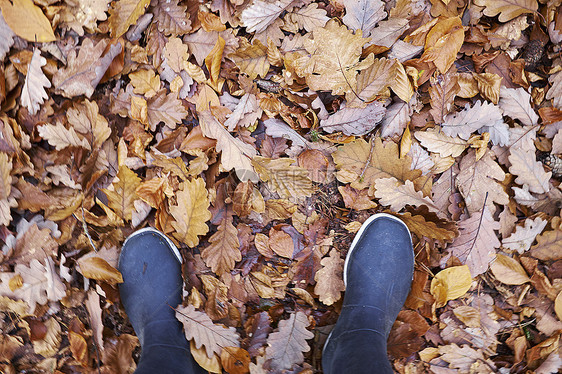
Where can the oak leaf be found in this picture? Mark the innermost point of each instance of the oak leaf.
(489, 85)
(124, 14)
(396, 118)
(286, 346)
(170, 17)
(165, 108)
(85, 70)
(437, 141)
(528, 170)
(555, 90)
(199, 328)
(464, 359)
(145, 82)
(329, 279)
(202, 42)
(309, 18)
(333, 62)
(86, 119)
(516, 103)
(121, 195)
(246, 112)
(508, 9)
(251, 59)
(480, 178)
(33, 93)
(27, 21)
(6, 200)
(60, 137)
(363, 14)
(524, 236)
(393, 193)
(235, 153)
(258, 16)
(549, 245)
(191, 212)
(85, 14)
(224, 250)
(471, 119)
(361, 164)
(353, 199)
(283, 177)
(7, 37)
(443, 90)
(443, 42)
(508, 270)
(476, 242)
(441, 230)
(355, 121)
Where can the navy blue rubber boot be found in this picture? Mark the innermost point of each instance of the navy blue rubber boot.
(152, 283)
(378, 275)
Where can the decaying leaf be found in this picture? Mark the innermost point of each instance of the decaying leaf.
(329, 279)
(33, 92)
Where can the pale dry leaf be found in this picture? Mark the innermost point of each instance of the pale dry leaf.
(393, 193)
(251, 58)
(86, 119)
(329, 279)
(33, 93)
(224, 250)
(363, 14)
(246, 113)
(549, 245)
(261, 14)
(442, 92)
(355, 121)
(470, 119)
(508, 270)
(466, 359)
(49, 345)
(124, 14)
(309, 18)
(201, 329)
(235, 153)
(476, 243)
(6, 201)
(286, 346)
(202, 42)
(171, 18)
(507, 9)
(165, 108)
(551, 365)
(396, 118)
(524, 236)
(85, 14)
(555, 90)
(528, 170)
(435, 140)
(60, 137)
(7, 37)
(421, 160)
(372, 82)
(480, 178)
(27, 21)
(387, 32)
(191, 212)
(92, 304)
(516, 103)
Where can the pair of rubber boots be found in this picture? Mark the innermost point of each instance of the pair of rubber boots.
(378, 274)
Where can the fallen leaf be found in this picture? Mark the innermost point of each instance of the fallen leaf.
(97, 268)
(123, 193)
(524, 236)
(443, 90)
(392, 193)
(191, 212)
(450, 284)
(171, 18)
(199, 328)
(528, 170)
(516, 103)
(261, 14)
(507, 9)
(284, 178)
(363, 14)
(443, 43)
(27, 21)
(235, 360)
(355, 121)
(224, 250)
(508, 270)
(124, 14)
(60, 137)
(33, 92)
(471, 119)
(286, 346)
(329, 279)
(437, 141)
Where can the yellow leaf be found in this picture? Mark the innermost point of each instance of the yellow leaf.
(27, 21)
(86, 119)
(333, 62)
(99, 269)
(124, 14)
(405, 142)
(145, 82)
(285, 179)
(224, 250)
(213, 60)
(139, 109)
(450, 284)
(372, 82)
(508, 9)
(212, 365)
(123, 195)
(508, 270)
(251, 59)
(191, 212)
(402, 86)
(489, 85)
(443, 43)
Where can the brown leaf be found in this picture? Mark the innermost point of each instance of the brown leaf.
(442, 91)
(329, 279)
(27, 21)
(281, 243)
(507, 270)
(286, 346)
(508, 9)
(224, 251)
(443, 43)
(549, 246)
(191, 212)
(78, 347)
(97, 268)
(123, 194)
(124, 14)
(235, 360)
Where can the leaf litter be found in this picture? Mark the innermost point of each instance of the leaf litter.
(259, 135)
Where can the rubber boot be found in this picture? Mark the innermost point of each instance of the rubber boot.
(378, 275)
(152, 284)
